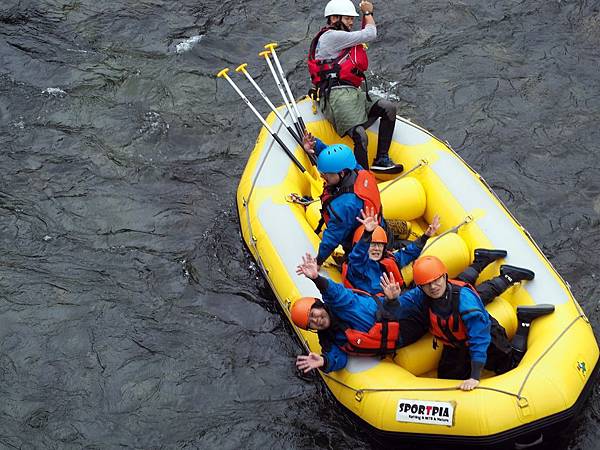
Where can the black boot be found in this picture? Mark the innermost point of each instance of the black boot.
(514, 274)
(525, 314)
(529, 313)
(483, 256)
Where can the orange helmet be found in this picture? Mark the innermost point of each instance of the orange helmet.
(300, 311)
(379, 235)
(428, 268)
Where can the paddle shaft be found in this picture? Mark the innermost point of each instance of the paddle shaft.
(264, 122)
(287, 87)
(266, 99)
(283, 94)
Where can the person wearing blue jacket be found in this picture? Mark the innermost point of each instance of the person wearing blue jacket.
(348, 189)
(471, 338)
(342, 306)
(369, 260)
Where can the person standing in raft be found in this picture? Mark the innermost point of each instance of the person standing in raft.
(348, 189)
(369, 259)
(352, 322)
(472, 339)
(337, 61)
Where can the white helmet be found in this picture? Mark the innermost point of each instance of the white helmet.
(340, 8)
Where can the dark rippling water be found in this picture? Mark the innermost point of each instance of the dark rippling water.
(130, 314)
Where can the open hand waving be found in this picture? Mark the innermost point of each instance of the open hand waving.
(391, 288)
(368, 219)
(308, 267)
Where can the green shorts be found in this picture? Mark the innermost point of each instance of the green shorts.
(346, 108)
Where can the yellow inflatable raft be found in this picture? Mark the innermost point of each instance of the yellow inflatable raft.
(550, 383)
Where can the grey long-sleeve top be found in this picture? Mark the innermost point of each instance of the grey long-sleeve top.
(332, 42)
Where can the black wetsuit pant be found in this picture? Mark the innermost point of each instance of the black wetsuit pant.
(411, 330)
(488, 290)
(384, 110)
(455, 363)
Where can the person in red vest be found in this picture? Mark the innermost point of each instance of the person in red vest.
(369, 259)
(471, 338)
(352, 322)
(337, 61)
(348, 189)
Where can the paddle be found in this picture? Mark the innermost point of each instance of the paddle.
(223, 74)
(266, 54)
(298, 118)
(242, 68)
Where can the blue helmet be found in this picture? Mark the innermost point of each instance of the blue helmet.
(335, 158)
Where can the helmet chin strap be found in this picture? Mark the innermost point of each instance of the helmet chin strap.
(446, 291)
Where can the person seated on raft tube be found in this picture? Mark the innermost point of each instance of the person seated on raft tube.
(472, 339)
(348, 189)
(369, 259)
(343, 309)
(352, 322)
(337, 61)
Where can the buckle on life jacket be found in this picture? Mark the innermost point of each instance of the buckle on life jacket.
(358, 73)
(314, 95)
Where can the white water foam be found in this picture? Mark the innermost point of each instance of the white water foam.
(380, 92)
(188, 44)
(54, 91)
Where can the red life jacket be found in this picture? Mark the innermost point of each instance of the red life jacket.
(365, 187)
(451, 331)
(389, 265)
(347, 68)
(382, 339)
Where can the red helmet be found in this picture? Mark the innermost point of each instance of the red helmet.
(300, 311)
(428, 268)
(379, 235)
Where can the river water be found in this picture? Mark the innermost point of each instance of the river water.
(130, 313)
